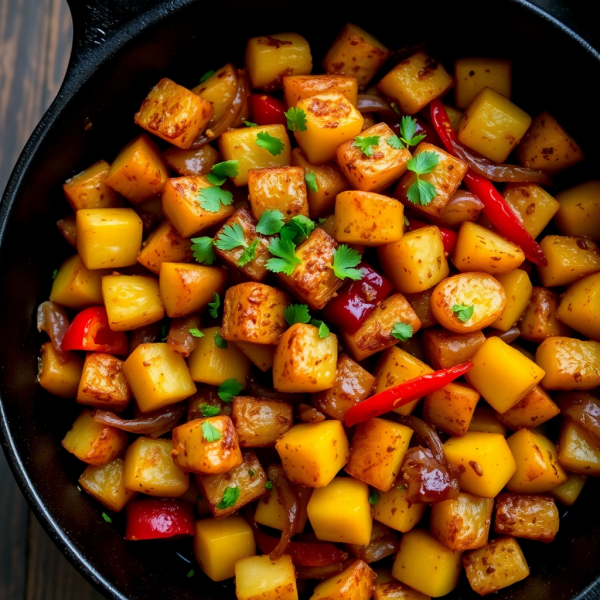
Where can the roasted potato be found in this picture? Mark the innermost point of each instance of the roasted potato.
(106, 484)
(298, 87)
(534, 206)
(579, 306)
(260, 422)
(569, 259)
(260, 577)
(89, 190)
(539, 320)
(356, 582)
(578, 451)
(164, 244)
(463, 206)
(522, 516)
(394, 590)
(518, 290)
(193, 162)
(451, 408)
(103, 382)
(579, 212)
(534, 409)
(384, 542)
(474, 74)
(59, 373)
(445, 348)
(396, 511)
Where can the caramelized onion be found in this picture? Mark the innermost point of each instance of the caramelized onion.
(372, 103)
(180, 339)
(288, 497)
(583, 409)
(319, 572)
(158, 421)
(309, 414)
(507, 337)
(258, 390)
(53, 319)
(143, 335)
(427, 433)
(384, 542)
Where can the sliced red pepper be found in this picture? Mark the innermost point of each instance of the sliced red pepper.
(357, 300)
(89, 331)
(402, 394)
(449, 237)
(496, 209)
(266, 110)
(158, 519)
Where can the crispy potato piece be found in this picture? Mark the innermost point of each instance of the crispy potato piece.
(421, 304)
(579, 212)
(298, 87)
(569, 491)
(579, 306)
(474, 74)
(569, 259)
(396, 511)
(533, 410)
(578, 451)
(445, 348)
(68, 229)
(260, 422)
(451, 408)
(219, 90)
(355, 582)
(164, 244)
(530, 517)
(103, 382)
(539, 320)
(105, 484)
(534, 206)
(89, 190)
(518, 289)
(394, 590)
(76, 286)
(192, 162)
(260, 578)
(484, 420)
(260, 355)
(58, 377)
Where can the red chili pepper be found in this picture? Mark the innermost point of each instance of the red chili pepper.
(402, 394)
(496, 209)
(355, 302)
(448, 236)
(159, 518)
(89, 331)
(266, 110)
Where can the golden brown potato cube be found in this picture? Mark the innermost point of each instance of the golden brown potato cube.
(495, 566)
(394, 590)
(249, 478)
(377, 331)
(192, 162)
(354, 583)
(446, 176)
(523, 516)
(421, 304)
(207, 446)
(256, 268)
(263, 578)
(485, 421)
(278, 188)
(103, 382)
(220, 90)
(536, 408)
(547, 146)
(474, 74)
(254, 312)
(259, 421)
(415, 82)
(89, 190)
(579, 306)
(518, 289)
(579, 212)
(298, 87)
(106, 485)
(445, 348)
(378, 170)
(76, 286)
(578, 452)
(68, 229)
(534, 206)
(451, 408)
(164, 244)
(139, 171)
(463, 206)
(395, 510)
(569, 491)
(462, 523)
(539, 320)
(182, 205)
(569, 259)
(260, 355)
(58, 377)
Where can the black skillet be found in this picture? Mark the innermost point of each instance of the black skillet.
(121, 49)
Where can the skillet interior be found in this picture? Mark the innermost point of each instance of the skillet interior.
(551, 70)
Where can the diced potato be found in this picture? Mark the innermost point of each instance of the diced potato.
(445, 177)
(518, 289)
(396, 511)
(378, 171)
(218, 544)
(394, 590)
(474, 74)
(445, 349)
(480, 291)
(186, 289)
(313, 453)
(485, 420)
(106, 485)
(94, 443)
(415, 263)
(495, 566)
(451, 408)
(108, 238)
(75, 286)
(579, 306)
(181, 205)
(376, 332)
(569, 259)
(150, 469)
(192, 162)
(548, 146)
(260, 422)
(491, 364)
(531, 517)
(270, 510)
(103, 382)
(463, 206)
(340, 511)
(533, 410)
(241, 145)
(426, 565)
(164, 244)
(569, 364)
(569, 491)
(58, 377)
(298, 87)
(89, 190)
(539, 321)
(354, 583)
(484, 460)
(534, 206)
(260, 355)
(537, 464)
(260, 578)
(139, 171)
(579, 212)
(157, 376)
(220, 89)
(462, 523)
(131, 301)
(492, 125)
(578, 452)
(211, 364)
(421, 304)
(68, 229)
(174, 113)
(415, 82)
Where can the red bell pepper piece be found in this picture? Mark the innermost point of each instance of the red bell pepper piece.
(89, 331)
(448, 236)
(356, 301)
(496, 209)
(159, 518)
(266, 110)
(402, 394)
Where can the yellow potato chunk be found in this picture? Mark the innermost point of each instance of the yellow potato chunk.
(260, 355)
(474, 74)
(220, 89)
(579, 212)
(445, 349)
(539, 320)
(260, 422)
(426, 565)
(485, 420)
(484, 460)
(270, 510)
(518, 290)
(89, 190)
(530, 517)
(150, 469)
(218, 544)
(75, 286)
(569, 491)
(58, 377)
(569, 259)
(195, 161)
(534, 206)
(415, 263)
(493, 361)
(164, 244)
(579, 306)
(103, 383)
(353, 583)
(108, 238)
(394, 590)
(68, 229)
(313, 453)
(131, 301)
(105, 484)
(533, 410)
(578, 452)
(260, 578)
(415, 82)
(340, 512)
(492, 125)
(298, 87)
(396, 511)
(451, 408)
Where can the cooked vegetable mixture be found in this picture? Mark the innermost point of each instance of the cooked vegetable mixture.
(301, 311)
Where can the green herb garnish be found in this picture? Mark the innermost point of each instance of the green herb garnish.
(462, 312)
(274, 145)
(421, 192)
(229, 388)
(270, 222)
(402, 331)
(344, 261)
(210, 432)
(230, 497)
(366, 144)
(296, 119)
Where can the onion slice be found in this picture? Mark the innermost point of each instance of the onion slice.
(161, 420)
(53, 319)
(427, 433)
(373, 103)
(288, 496)
(319, 572)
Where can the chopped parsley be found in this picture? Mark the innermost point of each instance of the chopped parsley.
(323, 329)
(213, 307)
(299, 228)
(296, 313)
(270, 222)
(422, 192)
(195, 332)
(366, 144)
(221, 171)
(311, 182)
(203, 249)
(251, 472)
(269, 485)
(54, 274)
(210, 432)
(220, 342)
(250, 124)
(274, 145)
(106, 518)
(211, 198)
(248, 254)
(462, 312)
(408, 128)
(285, 253)
(344, 261)
(191, 573)
(231, 237)
(395, 142)
(206, 76)
(208, 410)
(402, 487)
(230, 497)
(402, 331)
(229, 388)
(296, 119)
(164, 331)
(373, 498)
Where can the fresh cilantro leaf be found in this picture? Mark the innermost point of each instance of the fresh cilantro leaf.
(213, 307)
(408, 128)
(421, 192)
(344, 261)
(211, 198)
(251, 472)
(206, 76)
(373, 498)
(269, 485)
(323, 329)
(54, 274)
(250, 124)
(423, 163)
(220, 342)
(164, 331)
(296, 313)
(366, 144)
(274, 145)
(402, 487)
(463, 313)
(208, 410)
(203, 250)
(106, 518)
(191, 573)
(395, 142)
(270, 222)
(286, 260)
(229, 388)
(230, 497)
(231, 237)
(297, 229)
(195, 332)
(296, 119)
(321, 220)
(406, 221)
(402, 331)
(395, 107)
(210, 432)
(221, 171)
(311, 182)
(248, 254)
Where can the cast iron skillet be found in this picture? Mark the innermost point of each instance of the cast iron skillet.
(121, 49)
